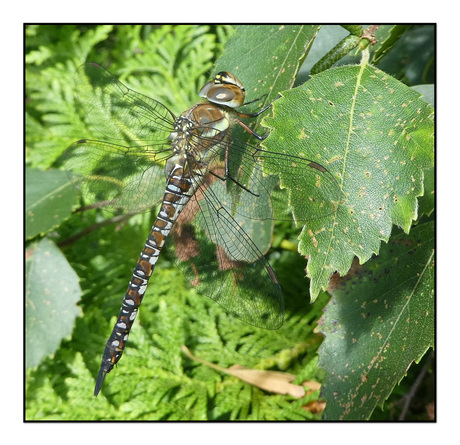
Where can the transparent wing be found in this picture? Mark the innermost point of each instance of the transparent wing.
(118, 113)
(222, 262)
(249, 191)
(214, 251)
(129, 174)
(119, 177)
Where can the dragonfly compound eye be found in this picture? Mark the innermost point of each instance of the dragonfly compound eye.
(226, 89)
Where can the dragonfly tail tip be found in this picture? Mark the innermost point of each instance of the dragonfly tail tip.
(99, 382)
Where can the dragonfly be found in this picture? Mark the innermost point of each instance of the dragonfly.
(207, 182)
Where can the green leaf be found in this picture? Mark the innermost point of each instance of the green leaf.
(379, 321)
(52, 292)
(246, 52)
(375, 135)
(50, 197)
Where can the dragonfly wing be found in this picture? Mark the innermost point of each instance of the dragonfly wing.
(314, 192)
(116, 112)
(118, 177)
(127, 174)
(222, 262)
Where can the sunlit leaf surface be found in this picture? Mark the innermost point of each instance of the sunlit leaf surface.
(375, 135)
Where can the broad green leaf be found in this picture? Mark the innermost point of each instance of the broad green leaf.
(263, 78)
(375, 135)
(379, 321)
(50, 197)
(52, 293)
(246, 57)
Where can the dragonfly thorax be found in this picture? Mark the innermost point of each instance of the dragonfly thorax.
(199, 128)
(204, 125)
(196, 133)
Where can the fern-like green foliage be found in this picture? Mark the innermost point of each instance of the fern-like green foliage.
(155, 380)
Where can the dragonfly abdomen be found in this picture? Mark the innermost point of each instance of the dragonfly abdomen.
(179, 189)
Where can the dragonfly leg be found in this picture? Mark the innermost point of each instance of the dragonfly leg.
(228, 176)
(256, 100)
(257, 113)
(249, 130)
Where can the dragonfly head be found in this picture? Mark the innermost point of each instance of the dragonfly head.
(225, 89)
